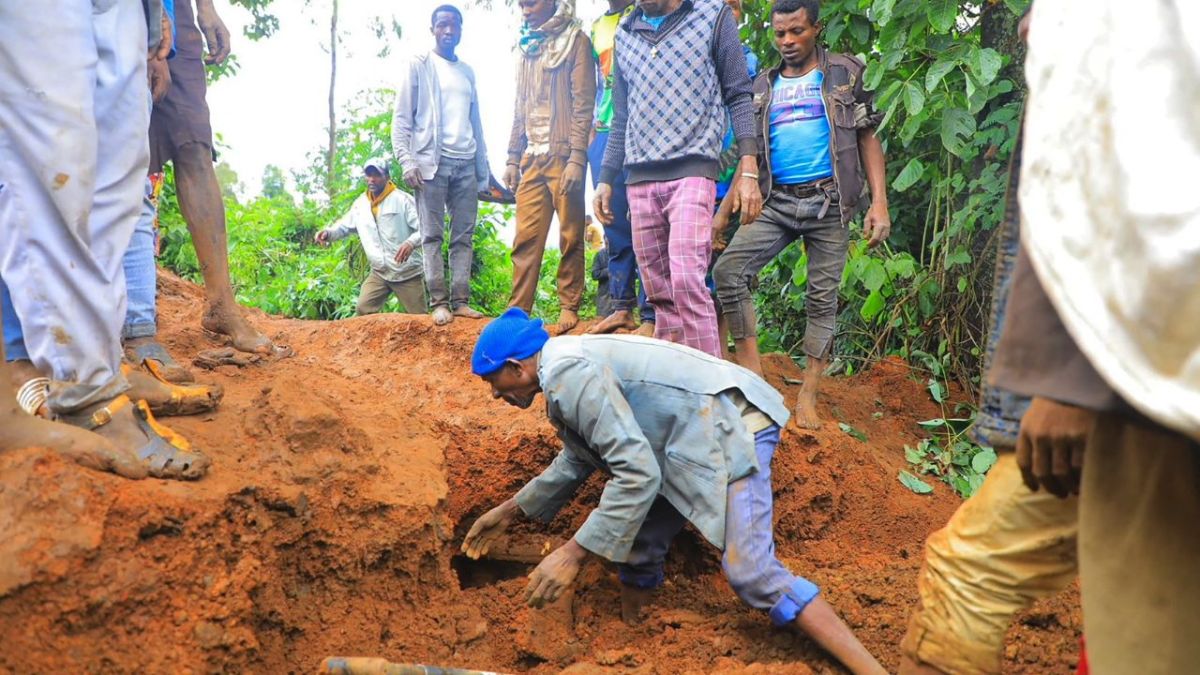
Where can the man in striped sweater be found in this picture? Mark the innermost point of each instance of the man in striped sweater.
(679, 71)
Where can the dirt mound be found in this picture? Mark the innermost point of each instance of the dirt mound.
(343, 481)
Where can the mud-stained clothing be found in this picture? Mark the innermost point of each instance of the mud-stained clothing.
(681, 434)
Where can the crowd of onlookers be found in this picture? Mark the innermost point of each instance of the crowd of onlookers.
(705, 167)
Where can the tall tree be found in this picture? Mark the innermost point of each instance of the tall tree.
(333, 42)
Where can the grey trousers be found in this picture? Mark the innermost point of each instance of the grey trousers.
(784, 219)
(375, 291)
(73, 157)
(454, 189)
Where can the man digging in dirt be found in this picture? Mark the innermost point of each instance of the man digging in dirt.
(679, 432)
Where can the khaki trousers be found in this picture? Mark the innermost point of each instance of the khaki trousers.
(538, 200)
(375, 291)
(1139, 549)
(1004, 548)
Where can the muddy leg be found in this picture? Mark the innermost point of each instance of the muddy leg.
(821, 623)
(204, 210)
(18, 430)
(806, 402)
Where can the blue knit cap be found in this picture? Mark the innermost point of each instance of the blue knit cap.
(513, 335)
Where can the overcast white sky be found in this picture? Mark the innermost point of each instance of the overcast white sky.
(274, 110)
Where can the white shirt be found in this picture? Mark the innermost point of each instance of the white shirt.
(454, 80)
(1109, 192)
(381, 237)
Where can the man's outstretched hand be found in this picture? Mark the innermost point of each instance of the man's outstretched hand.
(554, 574)
(488, 528)
(1050, 446)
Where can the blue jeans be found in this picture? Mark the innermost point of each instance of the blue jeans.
(749, 563)
(141, 276)
(140, 282)
(14, 341)
(622, 264)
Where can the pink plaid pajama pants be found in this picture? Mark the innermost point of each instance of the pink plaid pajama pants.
(672, 238)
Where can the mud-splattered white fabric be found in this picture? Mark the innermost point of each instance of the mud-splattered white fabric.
(1109, 191)
(73, 154)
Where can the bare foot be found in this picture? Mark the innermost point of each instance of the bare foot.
(83, 447)
(229, 322)
(567, 320)
(633, 601)
(173, 399)
(620, 319)
(466, 312)
(646, 329)
(806, 410)
(160, 454)
(442, 316)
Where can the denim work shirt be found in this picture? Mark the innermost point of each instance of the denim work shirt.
(657, 417)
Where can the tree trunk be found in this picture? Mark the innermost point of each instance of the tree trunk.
(333, 41)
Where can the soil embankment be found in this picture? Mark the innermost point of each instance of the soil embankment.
(343, 481)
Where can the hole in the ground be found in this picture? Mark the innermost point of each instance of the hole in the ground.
(486, 571)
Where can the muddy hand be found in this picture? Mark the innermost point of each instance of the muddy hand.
(488, 529)
(554, 574)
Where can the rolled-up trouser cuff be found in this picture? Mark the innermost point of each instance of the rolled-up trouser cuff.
(793, 601)
(131, 331)
(68, 398)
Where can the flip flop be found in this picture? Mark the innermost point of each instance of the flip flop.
(155, 358)
(276, 352)
(166, 454)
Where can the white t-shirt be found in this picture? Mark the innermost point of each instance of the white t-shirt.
(454, 80)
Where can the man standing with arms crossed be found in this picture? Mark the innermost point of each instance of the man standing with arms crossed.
(680, 70)
(438, 140)
(818, 135)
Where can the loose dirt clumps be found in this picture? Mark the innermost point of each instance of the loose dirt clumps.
(343, 481)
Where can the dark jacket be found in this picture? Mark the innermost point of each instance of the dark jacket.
(849, 108)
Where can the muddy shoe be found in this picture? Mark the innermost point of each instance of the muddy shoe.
(148, 354)
(168, 399)
(164, 453)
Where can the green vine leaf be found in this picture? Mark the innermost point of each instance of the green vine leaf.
(936, 72)
(985, 65)
(913, 483)
(958, 126)
(914, 98)
(942, 14)
(907, 177)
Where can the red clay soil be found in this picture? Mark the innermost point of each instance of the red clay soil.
(343, 481)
